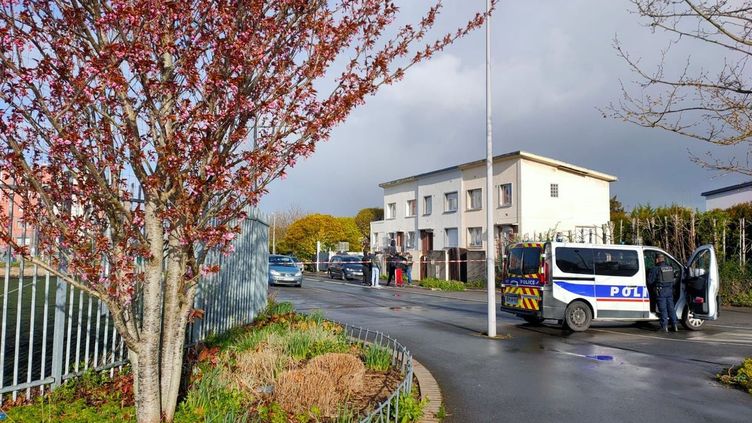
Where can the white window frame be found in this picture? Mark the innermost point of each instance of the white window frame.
(470, 205)
(410, 240)
(411, 211)
(391, 211)
(554, 190)
(427, 205)
(471, 238)
(447, 202)
(501, 190)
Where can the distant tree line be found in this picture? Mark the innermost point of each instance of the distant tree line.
(298, 232)
(680, 230)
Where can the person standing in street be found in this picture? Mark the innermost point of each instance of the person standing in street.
(661, 279)
(367, 266)
(375, 270)
(391, 267)
(409, 268)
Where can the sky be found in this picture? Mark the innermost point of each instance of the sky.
(553, 68)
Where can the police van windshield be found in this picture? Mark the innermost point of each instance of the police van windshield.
(524, 260)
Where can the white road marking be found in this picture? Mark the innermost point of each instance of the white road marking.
(703, 340)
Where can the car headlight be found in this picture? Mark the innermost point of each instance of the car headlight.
(274, 273)
(299, 273)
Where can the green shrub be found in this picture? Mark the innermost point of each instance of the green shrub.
(377, 358)
(740, 376)
(442, 284)
(275, 308)
(476, 284)
(736, 283)
(407, 408)
(92, 397)
(210, 399)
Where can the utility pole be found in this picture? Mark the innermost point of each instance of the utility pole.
(490, 250)
(274, 233)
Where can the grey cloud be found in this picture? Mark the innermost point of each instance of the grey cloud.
(553, 67)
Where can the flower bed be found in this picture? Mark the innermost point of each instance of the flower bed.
(283, 367)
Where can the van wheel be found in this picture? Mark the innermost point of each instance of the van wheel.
(533, 320)
(689, 321)
(578, 316)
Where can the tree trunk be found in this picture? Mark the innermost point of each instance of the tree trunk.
(147, 370)
(177, 305)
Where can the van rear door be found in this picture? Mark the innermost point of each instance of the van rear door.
(702, 283)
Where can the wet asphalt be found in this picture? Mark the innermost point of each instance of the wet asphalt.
(610, 373)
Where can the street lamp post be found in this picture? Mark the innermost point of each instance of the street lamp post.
(490, 250)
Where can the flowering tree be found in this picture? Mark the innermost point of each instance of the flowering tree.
(202, 103)
(708, 104)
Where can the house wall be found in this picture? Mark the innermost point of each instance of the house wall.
(504, 172)
(437, 186)
(728, 199)
(582, 201)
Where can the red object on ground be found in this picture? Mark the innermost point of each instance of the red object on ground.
(398, 277)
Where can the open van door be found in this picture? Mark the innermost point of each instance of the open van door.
(701, 284)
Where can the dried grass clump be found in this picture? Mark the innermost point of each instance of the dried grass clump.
(298, 391)
(257, 369)
(346, 370)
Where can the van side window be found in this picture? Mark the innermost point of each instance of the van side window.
(575, 260)
(615, 262)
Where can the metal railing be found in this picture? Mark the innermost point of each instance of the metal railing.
(51, 332)
(388, 410)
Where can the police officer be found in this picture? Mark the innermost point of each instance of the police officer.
(661, 279)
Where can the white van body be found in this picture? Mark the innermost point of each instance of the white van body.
(581, 283)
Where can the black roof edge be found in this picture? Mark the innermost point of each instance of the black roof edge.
(726, 189)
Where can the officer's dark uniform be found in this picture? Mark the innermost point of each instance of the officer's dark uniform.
(661, 279)
(367, 266)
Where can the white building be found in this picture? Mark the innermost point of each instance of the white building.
(534, 197)
(730, 196)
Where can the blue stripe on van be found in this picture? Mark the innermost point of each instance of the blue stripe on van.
(585, 290)
(604, 291)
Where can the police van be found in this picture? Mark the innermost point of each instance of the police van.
(576, 284)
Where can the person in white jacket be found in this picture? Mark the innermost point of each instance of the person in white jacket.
(375, 270)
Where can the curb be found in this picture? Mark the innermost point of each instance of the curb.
(429, 388)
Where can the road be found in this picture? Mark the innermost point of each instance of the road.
(546, 374)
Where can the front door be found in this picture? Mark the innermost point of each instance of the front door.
(702, 284)
(426, 245)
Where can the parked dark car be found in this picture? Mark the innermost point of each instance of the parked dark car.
(284, 271)
(346, 267)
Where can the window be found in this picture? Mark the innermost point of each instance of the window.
(615, 262)
(410, 240)
(390, 242)
(451, 239)
(450, 202)
(391, 210)
(475, 237)
(411, 209)
(575, 260)
(554, 190)
(524, 261)
(474, 199)
(427, 204)
(505, 195)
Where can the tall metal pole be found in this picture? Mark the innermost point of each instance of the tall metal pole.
(274, 233)
(490, 246)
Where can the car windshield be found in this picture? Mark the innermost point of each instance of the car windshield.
(351, 259)
(281, 261)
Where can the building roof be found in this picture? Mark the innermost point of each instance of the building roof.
(727, 189)
(509, 156)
